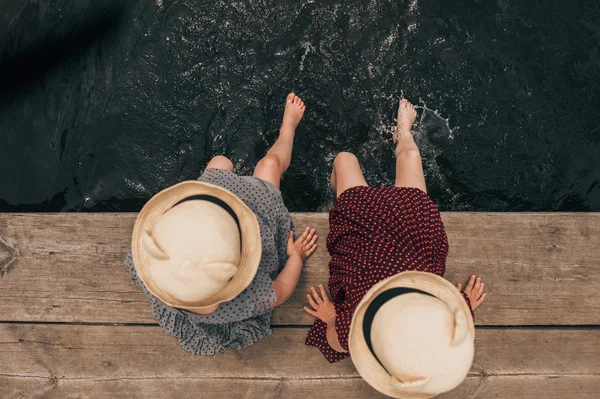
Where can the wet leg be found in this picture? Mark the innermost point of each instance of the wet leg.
(278, 158)
(346, 173)
(220, 162)
(409, 167)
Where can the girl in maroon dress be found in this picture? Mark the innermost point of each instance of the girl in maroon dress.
(375, 233)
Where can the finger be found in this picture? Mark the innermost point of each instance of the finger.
(310, 311)
(303, 236)
(306, 241)
(311, 302)
(309, 236)
(476, 286)
(306, 238)
(459, 286)
(309, 252)
(480, 290)
(323, 293)
(316, 295)
(291, 238)
(471, 283)
(480, 301)
(312, 242)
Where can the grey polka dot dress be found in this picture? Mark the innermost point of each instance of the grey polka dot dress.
(246, 318)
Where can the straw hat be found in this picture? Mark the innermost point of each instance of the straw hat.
(196, 245)
(422, 340)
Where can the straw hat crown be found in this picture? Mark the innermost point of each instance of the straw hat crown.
(425, 346)
(193, 250)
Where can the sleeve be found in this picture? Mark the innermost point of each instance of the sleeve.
(468, 300)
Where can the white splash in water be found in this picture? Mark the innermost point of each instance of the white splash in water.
(308, 47)
(136, 186)
(413, 9)
(429, 128)
(437, 114)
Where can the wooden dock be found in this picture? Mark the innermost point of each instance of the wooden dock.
(72, 325)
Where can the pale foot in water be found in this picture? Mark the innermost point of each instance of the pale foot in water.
(294, 109)
(406, 118)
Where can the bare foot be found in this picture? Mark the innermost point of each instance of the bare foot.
(474, 291)
(294, 109)
(406, 118)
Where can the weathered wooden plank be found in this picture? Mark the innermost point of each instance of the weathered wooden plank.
(514, 387)
(68, 268)
(107, 352)
(145, 388)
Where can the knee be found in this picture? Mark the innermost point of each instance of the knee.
(344, 158)
(270, 162)
(220, 162)
(409, 155)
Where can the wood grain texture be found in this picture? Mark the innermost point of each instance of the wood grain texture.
(513, 387)
(83, 361)
(539, 269)
(111, 352)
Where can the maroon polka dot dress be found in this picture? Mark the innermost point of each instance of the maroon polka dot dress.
(376, 232)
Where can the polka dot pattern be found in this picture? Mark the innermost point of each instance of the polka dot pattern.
(246, 318)
(376, 232)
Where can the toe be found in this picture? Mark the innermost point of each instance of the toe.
(290, 97)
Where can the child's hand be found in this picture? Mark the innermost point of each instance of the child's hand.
(323, 308)
(304, 246)
(474, 290)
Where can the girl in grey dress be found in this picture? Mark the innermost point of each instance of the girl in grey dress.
(247, 318)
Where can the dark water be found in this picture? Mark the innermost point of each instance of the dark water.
(105, 103)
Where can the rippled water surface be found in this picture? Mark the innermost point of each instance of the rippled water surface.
(118, 108)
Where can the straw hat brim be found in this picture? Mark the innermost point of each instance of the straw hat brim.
(251, 249)
(365, 362)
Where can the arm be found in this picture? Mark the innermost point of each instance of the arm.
(332, 338)
(285, 284)
(325, 311)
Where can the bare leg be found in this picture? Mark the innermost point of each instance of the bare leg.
(278, 158)
(346, 173)
(220, 162)
(409, 167)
